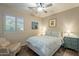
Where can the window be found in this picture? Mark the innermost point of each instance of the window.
(10, 23)
(14, 24)
(20, 24)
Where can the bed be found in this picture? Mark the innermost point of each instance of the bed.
(45, 45)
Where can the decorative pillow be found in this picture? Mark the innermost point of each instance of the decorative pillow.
(4, 42)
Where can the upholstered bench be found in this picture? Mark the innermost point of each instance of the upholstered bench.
(10, 47)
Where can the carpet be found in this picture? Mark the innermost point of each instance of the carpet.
(26, 51)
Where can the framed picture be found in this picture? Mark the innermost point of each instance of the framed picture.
(34, 25)
(52, 22)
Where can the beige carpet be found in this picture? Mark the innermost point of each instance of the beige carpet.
(70, 53)
(25, 51)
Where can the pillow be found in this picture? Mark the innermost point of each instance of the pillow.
(4, 42)
(56, 34)
(48, 33)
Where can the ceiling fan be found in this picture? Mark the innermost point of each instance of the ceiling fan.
(41, 6)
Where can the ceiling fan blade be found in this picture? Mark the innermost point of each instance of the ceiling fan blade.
(45, 11)
(49, 5)
(32, 7)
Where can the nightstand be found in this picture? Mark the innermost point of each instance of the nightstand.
(71, 42)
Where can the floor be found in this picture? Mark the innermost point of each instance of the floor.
(25, 51)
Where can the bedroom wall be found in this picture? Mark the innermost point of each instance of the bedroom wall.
(17, 36)
(1, 32)
(65, 21)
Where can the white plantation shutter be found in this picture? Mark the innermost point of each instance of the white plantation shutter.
(10, 23)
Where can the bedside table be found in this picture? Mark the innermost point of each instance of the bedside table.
(71, 42)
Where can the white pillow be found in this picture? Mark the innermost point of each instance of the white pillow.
(4, 42)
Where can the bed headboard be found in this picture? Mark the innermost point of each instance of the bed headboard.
(53, 33)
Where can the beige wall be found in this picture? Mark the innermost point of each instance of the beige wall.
(17, 36)
(67, 20)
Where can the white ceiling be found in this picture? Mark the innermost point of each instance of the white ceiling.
(56, 8)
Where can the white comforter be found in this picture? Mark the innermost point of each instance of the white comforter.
(45, 45)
